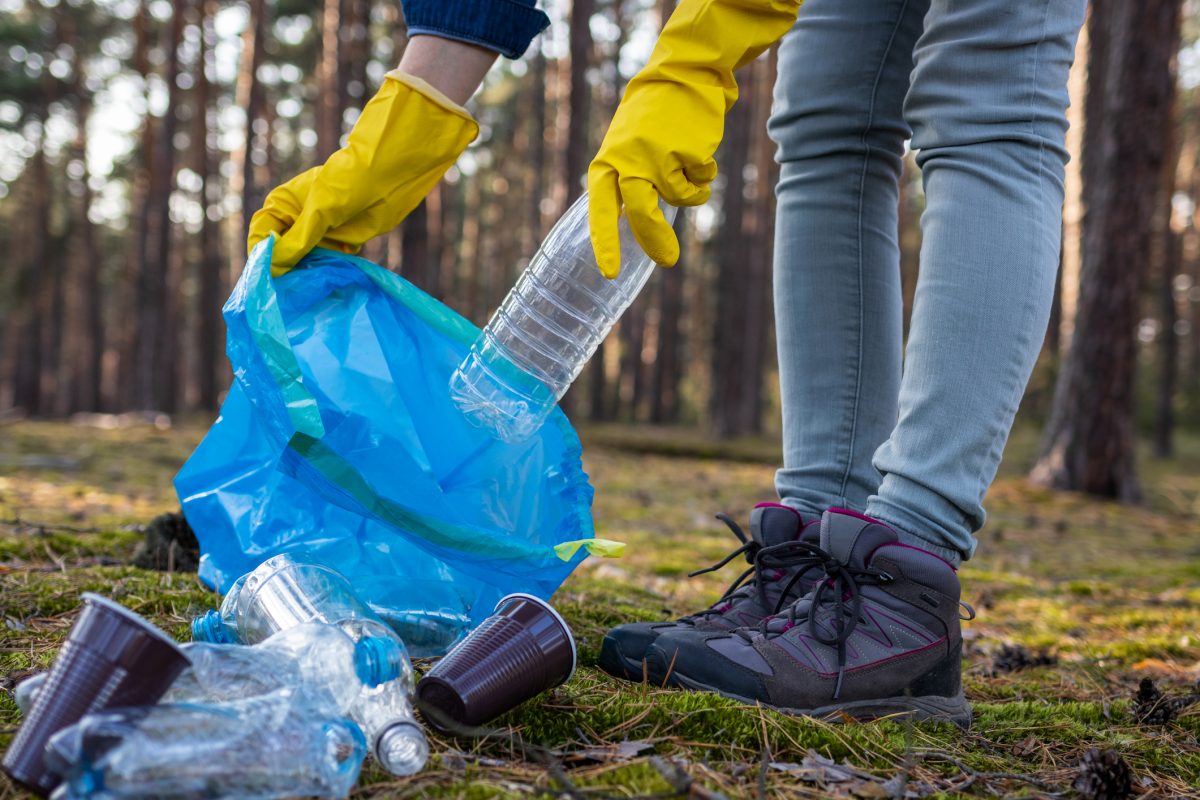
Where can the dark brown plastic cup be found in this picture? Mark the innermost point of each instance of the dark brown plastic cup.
(520, 651)
(112, 657)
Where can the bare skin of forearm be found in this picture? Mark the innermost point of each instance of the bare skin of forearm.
(453, 68)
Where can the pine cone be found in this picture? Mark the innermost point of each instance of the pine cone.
(1149, 705)
(1014, 657)
(1152, 707)
(1103, 775)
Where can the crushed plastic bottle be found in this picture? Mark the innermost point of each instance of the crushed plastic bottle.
(547, 328)
(283, 593)
(320, 662)
(264, 747)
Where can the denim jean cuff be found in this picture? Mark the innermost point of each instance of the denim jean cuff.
(920, 532)
(505, 26)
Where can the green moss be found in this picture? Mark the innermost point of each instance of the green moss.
(1111, 590)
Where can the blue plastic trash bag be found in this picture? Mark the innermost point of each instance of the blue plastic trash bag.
(339, 442)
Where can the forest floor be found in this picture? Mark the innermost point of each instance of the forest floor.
(1105, 595)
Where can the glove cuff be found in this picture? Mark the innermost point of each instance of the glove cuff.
(422, 87)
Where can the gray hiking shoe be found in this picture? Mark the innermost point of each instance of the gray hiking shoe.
(782, 568)
(879, 635)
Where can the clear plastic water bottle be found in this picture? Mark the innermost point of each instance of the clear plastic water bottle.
(429, 617)
(326, 669)
(284, 592)
(263, 747)
(547, 328)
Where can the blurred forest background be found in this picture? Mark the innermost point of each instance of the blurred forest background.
(138, 136)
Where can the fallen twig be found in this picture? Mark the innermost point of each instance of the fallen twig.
(977, 775)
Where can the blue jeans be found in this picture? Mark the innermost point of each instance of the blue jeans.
(980, 87)
(506, 26)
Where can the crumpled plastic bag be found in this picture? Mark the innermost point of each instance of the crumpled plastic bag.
(339, 442)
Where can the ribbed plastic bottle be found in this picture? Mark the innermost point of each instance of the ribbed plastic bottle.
(284, 592)
(547, 328)
(263, 747)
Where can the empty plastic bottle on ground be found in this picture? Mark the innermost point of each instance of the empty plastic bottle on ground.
(547, 328)
(264, 747)
(327, 670)
(427, 617)
(283, 593)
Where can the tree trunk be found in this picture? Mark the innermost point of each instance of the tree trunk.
(733, 322)
(154, 374)
(536, 174)
(1067, 295)
(77, 384)
(573, 118)
(759, 229)
(580, 97)
(664, 403)
(55, 394)
(208, 316)
(435, 208)
(329, 86)
(27, 386)
(1089, 440)
(1168, 379)
(88, 378)
(414, 247)
(1190, 258)
(129, 321)
(249, 97)
(630, 383)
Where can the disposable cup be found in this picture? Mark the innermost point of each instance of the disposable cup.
(112, 657)
(520, 651)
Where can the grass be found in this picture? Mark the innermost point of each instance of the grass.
(1111, 592)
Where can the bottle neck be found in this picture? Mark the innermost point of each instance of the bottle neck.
(378, 659)
(210, 627)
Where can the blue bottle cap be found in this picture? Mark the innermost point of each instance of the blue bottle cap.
(378, 659)
(211, 628)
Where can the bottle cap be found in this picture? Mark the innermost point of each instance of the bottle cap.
(520, 651)
(210, 627)
(378, 659)
(112, 657)
(402, 749)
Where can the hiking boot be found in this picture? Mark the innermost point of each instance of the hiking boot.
(878, 636)
(782, 568)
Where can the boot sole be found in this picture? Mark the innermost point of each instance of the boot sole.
(954, 709)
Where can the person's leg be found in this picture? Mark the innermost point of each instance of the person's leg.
(987, 108)
(843, 74)
(881, 635)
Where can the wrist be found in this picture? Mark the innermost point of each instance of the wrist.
(452, 67)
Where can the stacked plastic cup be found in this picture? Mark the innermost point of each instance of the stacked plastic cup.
(112, 657)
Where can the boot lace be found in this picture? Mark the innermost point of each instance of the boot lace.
(761, 558)
(839, 589)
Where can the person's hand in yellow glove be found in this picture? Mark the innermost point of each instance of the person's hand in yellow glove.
(406, 138)
(666, 130)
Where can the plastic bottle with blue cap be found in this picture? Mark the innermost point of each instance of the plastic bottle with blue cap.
(284, 592)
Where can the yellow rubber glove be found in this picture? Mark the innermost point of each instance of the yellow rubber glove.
(406, 138)
(671, 119)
